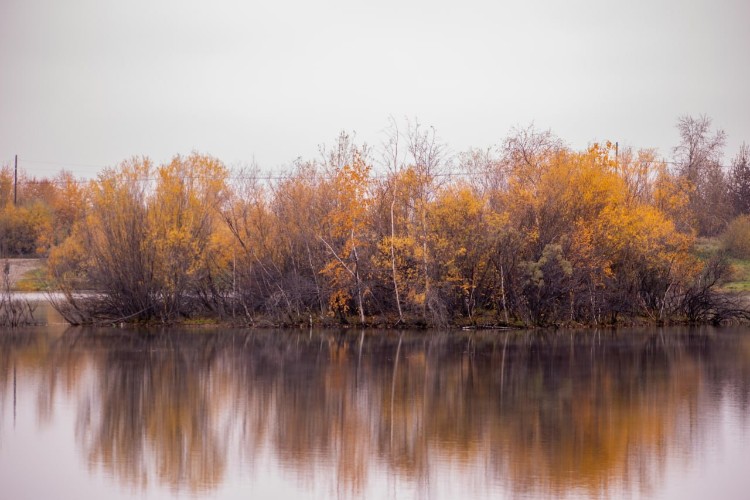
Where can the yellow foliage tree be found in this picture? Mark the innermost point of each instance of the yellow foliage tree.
(462, 235)
(344, 230)
(183, 214)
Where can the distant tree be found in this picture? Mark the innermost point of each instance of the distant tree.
(739, 181)
(699, 147)
(698, 159)
(21, 228)
(6, 186)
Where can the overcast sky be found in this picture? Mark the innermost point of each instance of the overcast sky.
(87, 83)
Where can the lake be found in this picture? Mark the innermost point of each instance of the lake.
(91, 413)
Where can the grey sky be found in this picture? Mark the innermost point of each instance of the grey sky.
(90, 82)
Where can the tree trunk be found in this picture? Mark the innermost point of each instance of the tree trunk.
(393, 263)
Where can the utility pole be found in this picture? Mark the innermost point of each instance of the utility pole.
(15, 183)
(617, 153)
(14, 394)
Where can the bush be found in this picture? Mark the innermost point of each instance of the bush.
(736, 238)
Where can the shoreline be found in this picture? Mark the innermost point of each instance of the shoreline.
(484, 323)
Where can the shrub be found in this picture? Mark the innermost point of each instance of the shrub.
(736, 238)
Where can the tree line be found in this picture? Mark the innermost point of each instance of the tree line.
(530, 232)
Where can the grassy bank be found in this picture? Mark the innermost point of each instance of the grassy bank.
(739, 279)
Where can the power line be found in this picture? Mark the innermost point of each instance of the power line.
(264, 177)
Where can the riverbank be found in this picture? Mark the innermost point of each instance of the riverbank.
(82, 313)
(28, 282)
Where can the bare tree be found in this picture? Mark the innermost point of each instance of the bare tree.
(344, 151)
(488, 174)
(698, 159)
(391, 158)
(526, 148)
(426, 151)
(739, 181)
(639, 170)
(699, 148)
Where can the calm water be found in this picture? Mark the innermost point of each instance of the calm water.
(121, 413)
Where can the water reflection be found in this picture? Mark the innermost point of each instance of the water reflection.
(538, 414)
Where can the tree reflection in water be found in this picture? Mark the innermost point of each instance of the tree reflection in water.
(536, 413)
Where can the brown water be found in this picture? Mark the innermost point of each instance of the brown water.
(122, 413)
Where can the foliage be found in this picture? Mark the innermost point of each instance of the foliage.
(25, 231)
(43, 215)
(344, 227)
(149, 252)
(535, 233)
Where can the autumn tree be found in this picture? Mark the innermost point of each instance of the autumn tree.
(68, 204)
(402, 218)
(585, 240)
(462, 236)
(24, 230)
(250, 222)
(414, 159)
(27, 225)
(113, 248)
(147, 246)
(275, 228)
(6, 186)
(299, 207)
(182, 222)
(343, 234)
(669, 194)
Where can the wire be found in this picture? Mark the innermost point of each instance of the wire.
(266, 177)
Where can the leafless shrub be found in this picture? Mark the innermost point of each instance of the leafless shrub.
(14, 311)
